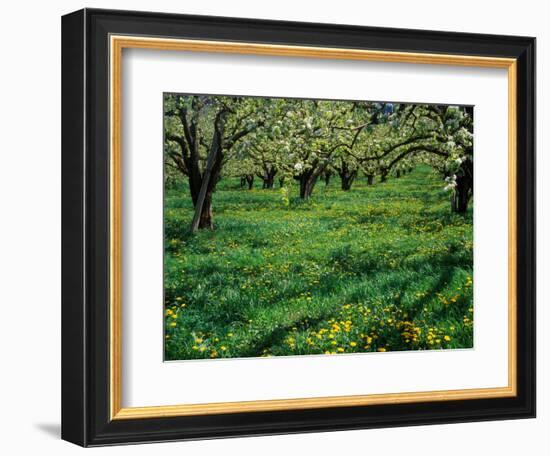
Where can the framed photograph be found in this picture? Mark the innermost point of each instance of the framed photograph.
(278, 227)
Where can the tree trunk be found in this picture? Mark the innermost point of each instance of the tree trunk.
(307, 183)
(308, 178)
(269, 182)
(398, 174)
(303, 187)
(203, 208)
(346, 175)
(195, 181)
(269, 178)
(327, 177)
(370, 179)
(205, 221)
(250, 181)
(347, 180)
(460, 198)
(464, 188)
(383, 175)
(281, 181)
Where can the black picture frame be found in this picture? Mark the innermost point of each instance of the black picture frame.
(85, 225)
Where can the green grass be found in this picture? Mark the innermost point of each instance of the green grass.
(379, 268)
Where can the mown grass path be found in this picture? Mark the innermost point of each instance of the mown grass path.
(379, 268)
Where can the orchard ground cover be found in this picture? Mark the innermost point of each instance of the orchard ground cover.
(381, 267)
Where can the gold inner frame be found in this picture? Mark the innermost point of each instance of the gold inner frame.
(117, 44)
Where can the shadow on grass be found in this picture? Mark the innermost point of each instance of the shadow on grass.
(277, 336)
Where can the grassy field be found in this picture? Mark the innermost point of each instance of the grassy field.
(379, 268)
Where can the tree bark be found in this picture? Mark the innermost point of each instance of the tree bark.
(206, 221)
(281, 181)
(269, 182)
(347, 179)
(370, 179)
(250, 180)
(398, 174)
(347, 176)
(203, 207)
(307, 179)
(269, 178)
(327, 177)
(464, 188)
